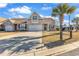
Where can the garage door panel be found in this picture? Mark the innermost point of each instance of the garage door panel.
(35, 27)
(9, 28)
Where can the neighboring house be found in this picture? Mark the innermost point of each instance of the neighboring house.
(1, 23)
(34, 23)
(16, 24)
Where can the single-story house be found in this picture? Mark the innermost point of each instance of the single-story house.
(1, 23)
(34, 23)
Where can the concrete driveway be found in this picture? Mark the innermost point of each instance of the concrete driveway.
(20, 41)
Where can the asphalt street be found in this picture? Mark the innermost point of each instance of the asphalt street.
(74, 52)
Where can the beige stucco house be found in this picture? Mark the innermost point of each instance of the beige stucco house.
(34, 23)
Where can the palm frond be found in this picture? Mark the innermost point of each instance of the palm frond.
(71, 9)
(55, 12)
(63, 8)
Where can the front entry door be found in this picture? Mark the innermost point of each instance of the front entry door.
(45, 27)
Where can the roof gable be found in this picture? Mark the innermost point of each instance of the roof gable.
(35, 14)
(7, 22)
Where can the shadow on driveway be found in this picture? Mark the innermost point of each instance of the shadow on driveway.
(17, 44)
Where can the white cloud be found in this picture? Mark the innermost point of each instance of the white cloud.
(49, 17)
(41, 15)
(46, 8)
(20, 16)
(23, 9)
(2, 5)
(55, 18)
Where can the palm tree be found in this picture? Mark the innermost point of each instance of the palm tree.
(60, 10)
(69, 12)
(76, 20)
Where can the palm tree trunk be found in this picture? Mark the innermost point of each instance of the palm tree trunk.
(70, 31)
(61, 22)
(76, 25)
(69, 23)
(70, 28)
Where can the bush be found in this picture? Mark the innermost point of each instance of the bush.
(57, 29)
(1, 29)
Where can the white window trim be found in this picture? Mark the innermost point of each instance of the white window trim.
(35, 21)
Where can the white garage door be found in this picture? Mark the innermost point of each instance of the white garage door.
(9, 28)
(35, 27)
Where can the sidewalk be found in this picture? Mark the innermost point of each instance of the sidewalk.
(58, 50)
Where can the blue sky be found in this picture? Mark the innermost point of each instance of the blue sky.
(41, 8)
(15, 10)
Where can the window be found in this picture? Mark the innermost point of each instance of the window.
(22, 26)
(34, 17)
